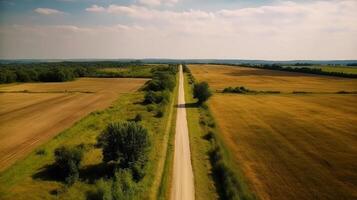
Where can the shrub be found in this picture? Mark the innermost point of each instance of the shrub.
(124, 143)
(240, 90)
(202, 92)
(159, 113)
(163, 79)
(102, 191)
(123, 186)
(156, 97)
(68, 160)
(150, 108)
(40, 152)
(138, 118)
(185, 69)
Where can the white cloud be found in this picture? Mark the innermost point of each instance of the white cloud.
(95, 8)
(158, 2)
(284, 30)
(47, 11)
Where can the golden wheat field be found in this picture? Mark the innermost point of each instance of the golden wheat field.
(288, 146)
(220, 76)
(32, 113)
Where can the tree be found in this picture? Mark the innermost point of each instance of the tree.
(125, 143)
(202, 92)
(68, 161)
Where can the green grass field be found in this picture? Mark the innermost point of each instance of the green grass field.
(347, 70)
(30, 179)
(131, 71)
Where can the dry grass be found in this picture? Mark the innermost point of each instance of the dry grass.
(219, 77)
(29, 119)
(292, 147)
(288, 146)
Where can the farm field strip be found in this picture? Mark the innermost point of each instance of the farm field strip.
(220, 77)
(34, 118)
(288, 146)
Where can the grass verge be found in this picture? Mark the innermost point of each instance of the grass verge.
(166, 179)
(200, 147)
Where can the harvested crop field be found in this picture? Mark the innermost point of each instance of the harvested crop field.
(32, 113)
(288, 146)
(220, 77)
(292, 147)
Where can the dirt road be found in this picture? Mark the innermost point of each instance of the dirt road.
(183, 184)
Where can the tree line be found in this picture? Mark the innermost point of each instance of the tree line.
(55, 72)
(308, 70)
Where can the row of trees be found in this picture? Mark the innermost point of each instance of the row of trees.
(308, 70)
(243, 90)
(42, 74)
(57, 71)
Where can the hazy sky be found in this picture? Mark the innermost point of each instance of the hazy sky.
(242, 29)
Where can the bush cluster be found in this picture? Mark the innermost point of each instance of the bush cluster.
(67, 161)
(121, 187)
(159, 88)
(157, 97)
(191, 79)
(236, 90)
(126, 146)
(124, 143)
(243, 90)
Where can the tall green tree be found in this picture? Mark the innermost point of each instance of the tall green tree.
(202, 92)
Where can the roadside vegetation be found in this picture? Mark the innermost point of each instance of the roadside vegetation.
(213, 171)
(110, 154)
(159, 88)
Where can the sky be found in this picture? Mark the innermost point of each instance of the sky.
(181, 29)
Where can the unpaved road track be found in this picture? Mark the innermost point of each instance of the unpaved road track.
(183, 184)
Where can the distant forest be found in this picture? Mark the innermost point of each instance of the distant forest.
(55, 72)
(70, 70)
(298, 68)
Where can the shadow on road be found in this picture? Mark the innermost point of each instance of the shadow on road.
(187, 105)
